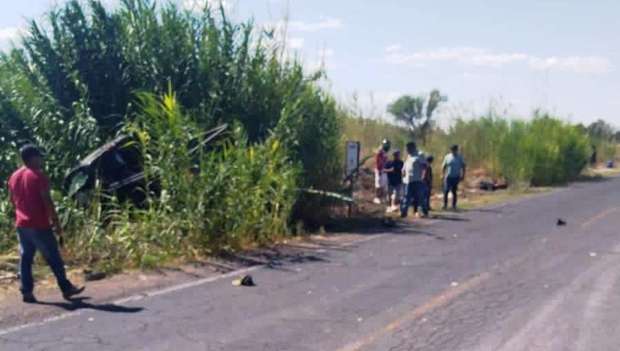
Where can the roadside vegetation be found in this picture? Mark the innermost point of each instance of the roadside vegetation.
(540, 151)
(165, 76)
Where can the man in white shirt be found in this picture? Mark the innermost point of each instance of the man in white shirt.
(414, 173)
(454, 169)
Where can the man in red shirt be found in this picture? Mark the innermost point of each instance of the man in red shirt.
(35, 216)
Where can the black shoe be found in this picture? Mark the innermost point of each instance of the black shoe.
(29, 298)
(73, 290)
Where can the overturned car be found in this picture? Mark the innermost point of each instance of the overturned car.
(116, 168)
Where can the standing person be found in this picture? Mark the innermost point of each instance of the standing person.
(35, 216)
(414, 172)
(381, 180)
(454, 169)
(428, 179)
(394, 169)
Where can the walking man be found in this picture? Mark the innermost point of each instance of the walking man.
(35, 216)
(414, 173)
(454, 169)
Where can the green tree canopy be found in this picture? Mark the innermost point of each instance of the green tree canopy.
(416, 112)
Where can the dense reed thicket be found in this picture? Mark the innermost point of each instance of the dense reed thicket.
(80, 79)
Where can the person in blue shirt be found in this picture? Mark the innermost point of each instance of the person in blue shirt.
(454, 169)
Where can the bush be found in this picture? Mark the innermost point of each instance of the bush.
(77, 83)
(543, 151)
(241, 196)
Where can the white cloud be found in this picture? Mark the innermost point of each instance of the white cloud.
(327, 53)
(325, 23)
(587, 64)
(486, 58)
(199, 5)
(9, 35)
(393, 48)
(307, 27)
(467, 55)
(295, 43)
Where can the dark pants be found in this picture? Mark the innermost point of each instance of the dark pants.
(415, 194)
(427, 197)
(31, 240)
(451, 185)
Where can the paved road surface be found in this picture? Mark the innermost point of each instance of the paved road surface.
(503, 278)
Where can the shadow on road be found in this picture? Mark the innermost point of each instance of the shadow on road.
(425, 233)
(443, 217)
(80, 304)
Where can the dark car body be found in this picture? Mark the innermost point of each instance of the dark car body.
(118, 166)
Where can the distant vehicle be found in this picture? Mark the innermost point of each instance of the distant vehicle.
(118, 166)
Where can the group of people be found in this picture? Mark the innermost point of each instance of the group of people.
(409, 183)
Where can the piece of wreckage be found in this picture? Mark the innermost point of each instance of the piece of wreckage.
(116, 169)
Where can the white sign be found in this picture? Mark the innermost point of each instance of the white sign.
(352, 157)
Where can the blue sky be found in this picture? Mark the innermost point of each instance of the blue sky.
(561, 56)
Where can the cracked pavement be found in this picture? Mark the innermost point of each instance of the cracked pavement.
(500, 278)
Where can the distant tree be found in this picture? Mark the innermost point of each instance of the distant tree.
(601, 130)
(416, 112)
(582, 128)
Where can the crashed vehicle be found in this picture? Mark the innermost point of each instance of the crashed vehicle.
(117, 167)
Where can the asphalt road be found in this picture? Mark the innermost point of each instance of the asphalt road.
(502, 278)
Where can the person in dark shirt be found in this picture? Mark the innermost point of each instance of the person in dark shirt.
(394, 169)
(429, 180)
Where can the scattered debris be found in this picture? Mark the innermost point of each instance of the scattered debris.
(561, 222)
(492, 185)
(91, 276)
(245, 281)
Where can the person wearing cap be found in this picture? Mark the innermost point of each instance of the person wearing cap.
(381, 180)
(414, 172)
(454, 169)
(36, 221)
(394, 170)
